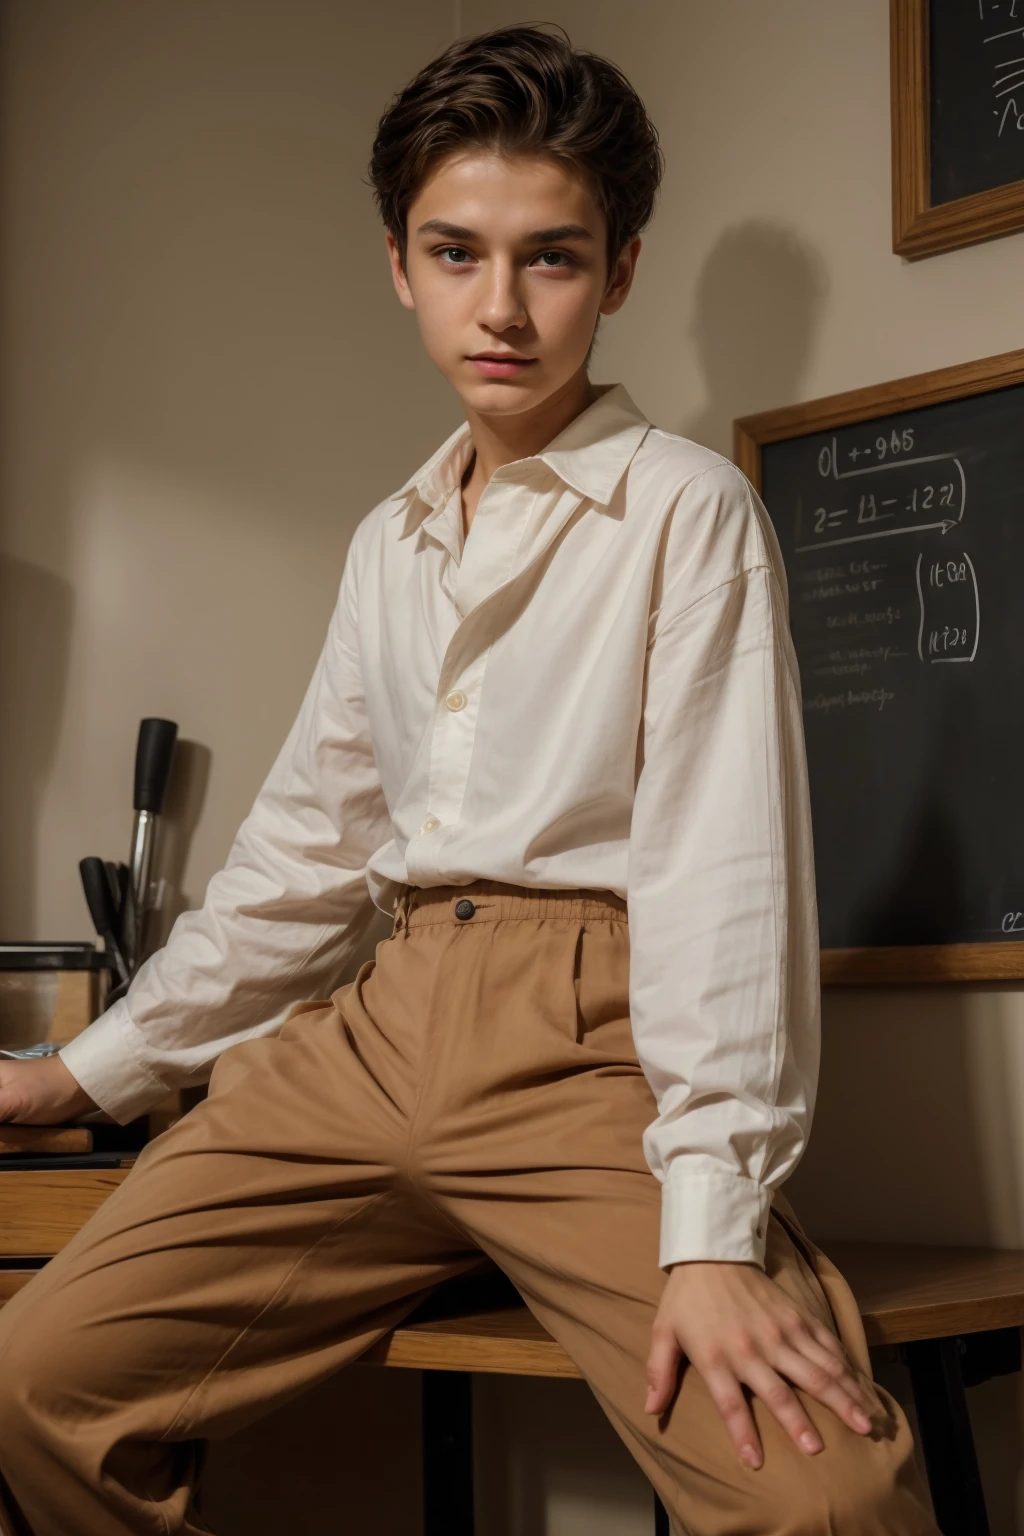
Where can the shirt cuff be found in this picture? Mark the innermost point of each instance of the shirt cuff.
(718, 1216)
(102, 1059)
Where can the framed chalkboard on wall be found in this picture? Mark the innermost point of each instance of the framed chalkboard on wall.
(900, 513)
(957, 80)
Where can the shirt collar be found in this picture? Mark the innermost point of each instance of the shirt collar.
(591, 454)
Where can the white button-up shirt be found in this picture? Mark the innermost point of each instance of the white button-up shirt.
(595, 687)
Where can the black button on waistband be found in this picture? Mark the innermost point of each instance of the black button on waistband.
(464, 910)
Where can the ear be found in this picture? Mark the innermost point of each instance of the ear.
(621, 279)
(398, 276)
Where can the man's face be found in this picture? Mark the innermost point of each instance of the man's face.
(507, 272)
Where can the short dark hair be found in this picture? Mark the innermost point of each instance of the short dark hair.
(522, 90)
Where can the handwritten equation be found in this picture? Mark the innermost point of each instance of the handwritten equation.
(950, 608)
(999, 37)
(917, 492)
(885, 583)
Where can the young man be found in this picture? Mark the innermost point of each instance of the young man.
(556, 730)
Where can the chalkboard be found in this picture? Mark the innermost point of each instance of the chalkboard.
(900, 514)
(976, 90)
(957, 80)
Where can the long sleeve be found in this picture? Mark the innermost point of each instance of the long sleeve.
(282, 917)
(724, 980)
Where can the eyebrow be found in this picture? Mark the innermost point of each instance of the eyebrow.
(536, 237)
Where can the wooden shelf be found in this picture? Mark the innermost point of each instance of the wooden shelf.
(41, 1210)
(505, 1342)
(907, 1291)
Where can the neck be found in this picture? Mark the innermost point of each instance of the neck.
(499, 440)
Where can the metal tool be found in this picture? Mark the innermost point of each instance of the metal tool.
(103, 911)
(119, 877)
(153, 754)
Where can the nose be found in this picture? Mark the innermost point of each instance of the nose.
(502, 306)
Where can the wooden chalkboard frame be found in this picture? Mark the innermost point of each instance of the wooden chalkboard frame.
(927, 963)
(919, 227)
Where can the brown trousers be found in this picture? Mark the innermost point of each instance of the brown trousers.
(474, 1089)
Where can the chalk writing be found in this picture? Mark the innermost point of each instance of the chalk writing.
(856, 660)
(872, 485)
(1007, 77)
(918, 493)
(949, 627)
(850, 699)
(888, 615)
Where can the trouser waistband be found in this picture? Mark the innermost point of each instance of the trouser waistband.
(492, 901)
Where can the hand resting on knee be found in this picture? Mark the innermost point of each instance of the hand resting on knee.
(738, 1328)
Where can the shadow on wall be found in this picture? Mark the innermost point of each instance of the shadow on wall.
(183, 807)
(36, 611)
(758, 302)
(35, 632)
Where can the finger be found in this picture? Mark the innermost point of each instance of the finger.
(728, 1397)
(662, 1369)
(839, 1368)
(804, 1330)
(827, 1339)
(841, 1394)
(781, 1401)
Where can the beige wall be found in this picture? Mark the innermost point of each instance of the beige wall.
(202, 373)
(200, 362)
(203, 367)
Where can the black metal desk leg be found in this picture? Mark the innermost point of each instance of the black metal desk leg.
(661, 1525)
(447, 1453)
(946, 1438)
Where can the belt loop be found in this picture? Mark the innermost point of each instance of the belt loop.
(401, 911)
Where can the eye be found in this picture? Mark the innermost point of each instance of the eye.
(455, 255)
(561, 259)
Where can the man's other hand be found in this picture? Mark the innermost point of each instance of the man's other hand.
(41, 1091)
(738, 1328)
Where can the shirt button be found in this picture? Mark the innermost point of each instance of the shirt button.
(456, 699)
(430, 825)
(464, 910)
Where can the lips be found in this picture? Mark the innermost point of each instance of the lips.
(498, 365)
